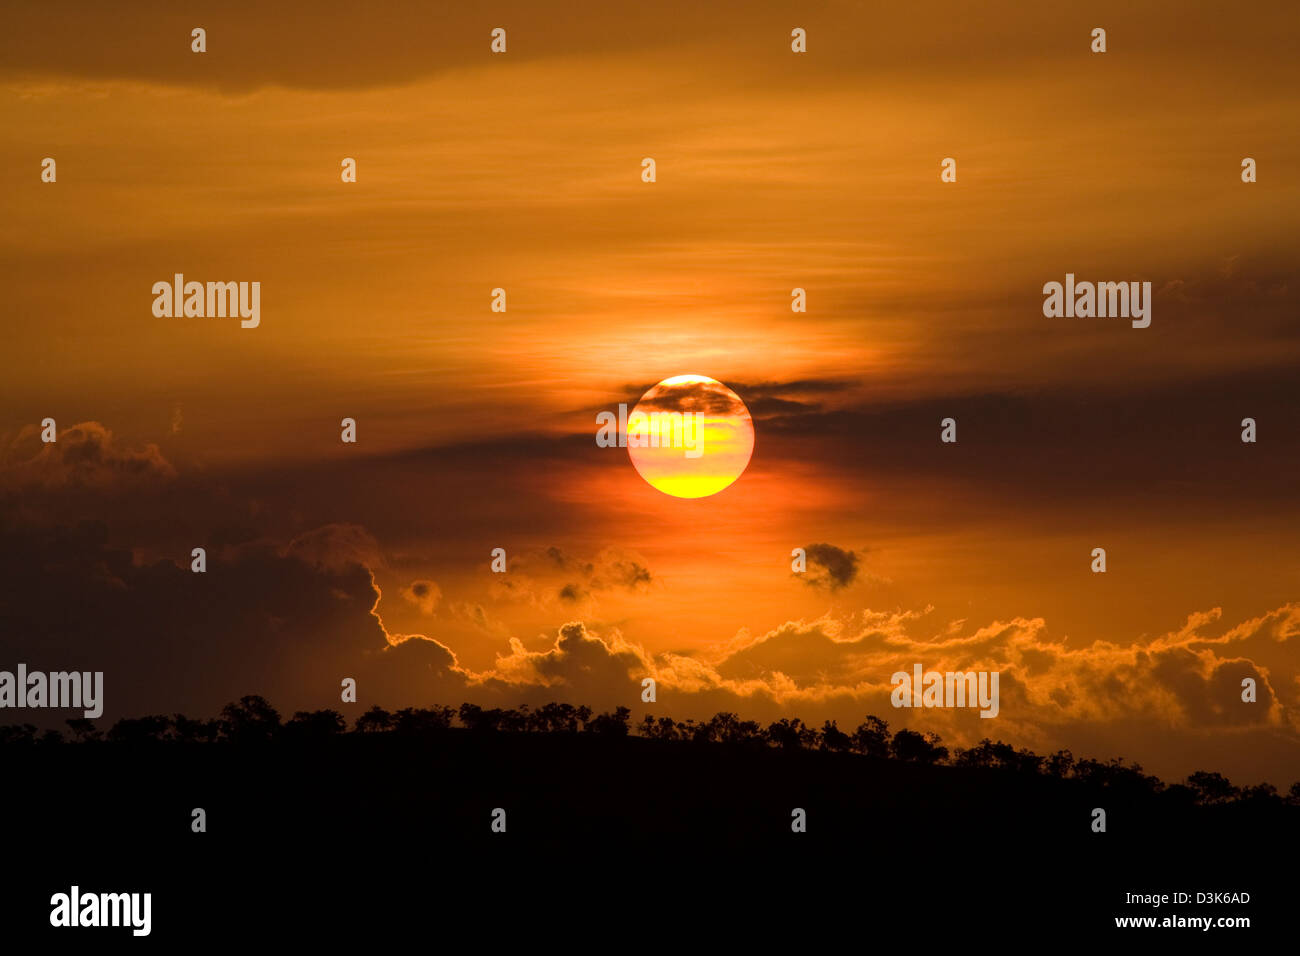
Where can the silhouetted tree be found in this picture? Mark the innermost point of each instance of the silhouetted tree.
(1260, 793)
(141, 730)
(28, 734)
(422, 720)
(18, 734)
(1178, 797)
(612, 725)
(725, 727)
(1113, 775)
(375, 720)
(721, 727)
(83, 729)
(471, 716)
(911, 747)
(749, 733)
(1026, 761)
(186, 730)
(791, 734)
(981, 755)
(513, 721)
(557, 718)
(872, 738)
(835, 739)
(662, 728)
(697, 731)
(250, 720)
(1211, 787)
(518, 720)
(253, 719)
(989, 754)
(1092, 772)
(476, 718)
(314, 725)
(1060, 764)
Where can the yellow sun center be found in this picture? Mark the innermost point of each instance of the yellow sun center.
(690, 436)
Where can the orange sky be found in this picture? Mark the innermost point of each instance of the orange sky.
(775, 171)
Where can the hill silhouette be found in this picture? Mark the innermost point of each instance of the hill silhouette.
(391, 817)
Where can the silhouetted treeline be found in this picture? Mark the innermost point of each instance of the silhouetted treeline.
(253, 720)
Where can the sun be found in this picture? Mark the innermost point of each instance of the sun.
(690, 436)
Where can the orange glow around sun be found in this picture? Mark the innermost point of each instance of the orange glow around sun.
(690, 436)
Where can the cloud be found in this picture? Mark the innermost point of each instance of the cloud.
(85, 456)
(1103, 699)
(334, 547)
(829, 567)
(792, 398)
(824, 651)
(262, 618)
(424, 594)
(614, 569)
(478, 618)
(705, 398)
(253, 44)
(290, 621)
(572, 593)
(1044, 683)
(579, 661)
(550, 576)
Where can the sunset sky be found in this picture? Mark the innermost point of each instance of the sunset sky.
(476, 428)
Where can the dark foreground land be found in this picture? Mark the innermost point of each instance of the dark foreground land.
(610, 842)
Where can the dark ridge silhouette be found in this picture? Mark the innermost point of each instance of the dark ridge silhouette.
(614, 830)
(252, 719)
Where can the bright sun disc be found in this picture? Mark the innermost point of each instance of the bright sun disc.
(690, 436)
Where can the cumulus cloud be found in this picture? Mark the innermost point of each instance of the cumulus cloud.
(260, 619)
(1104, 697)
(291, 619)
(84, 456)
(334, 547)
(578, 659)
